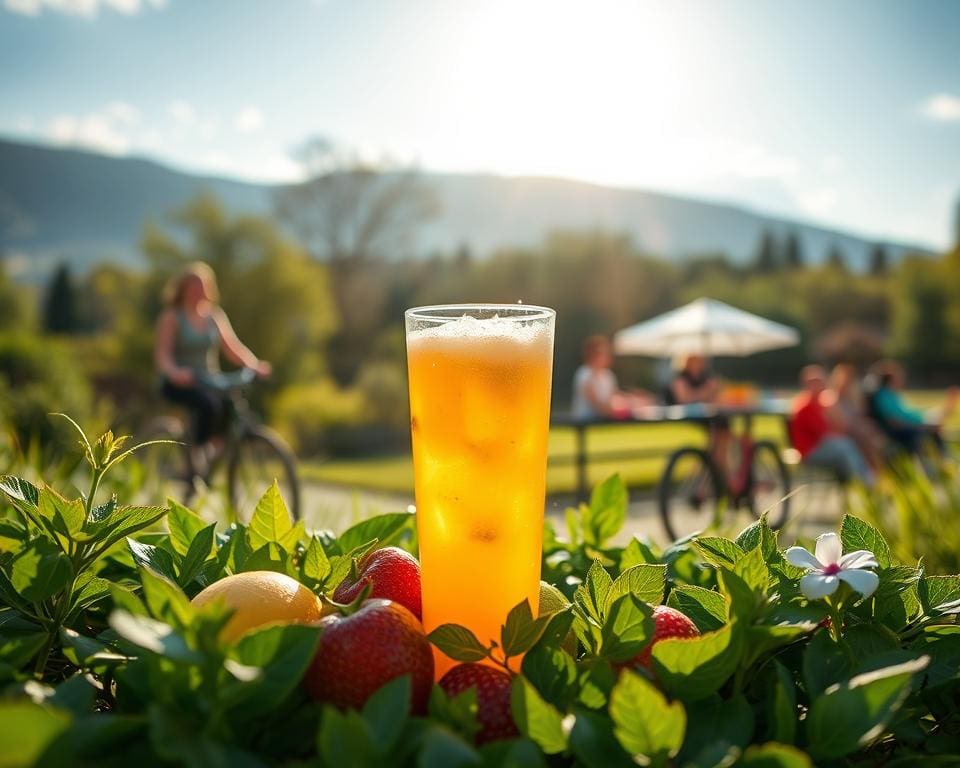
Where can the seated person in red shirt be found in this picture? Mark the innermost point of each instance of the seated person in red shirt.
(817, 430)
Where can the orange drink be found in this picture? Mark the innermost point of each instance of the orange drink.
(479, 380)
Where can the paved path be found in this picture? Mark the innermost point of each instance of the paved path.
(815, 509)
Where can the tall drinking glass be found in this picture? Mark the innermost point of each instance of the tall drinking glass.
(479, 380)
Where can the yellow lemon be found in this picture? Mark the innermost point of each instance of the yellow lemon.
(261, 598)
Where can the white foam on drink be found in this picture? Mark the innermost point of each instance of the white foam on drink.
(493, 335)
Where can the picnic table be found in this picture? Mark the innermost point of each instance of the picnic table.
(696, 413)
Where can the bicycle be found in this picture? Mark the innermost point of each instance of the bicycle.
(693, 491)
(254, 454)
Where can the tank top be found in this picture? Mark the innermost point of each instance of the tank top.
(196, 350)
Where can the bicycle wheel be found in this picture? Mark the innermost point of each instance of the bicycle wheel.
(170, 467)
(689, 493)
(262, 456)
(769, 486)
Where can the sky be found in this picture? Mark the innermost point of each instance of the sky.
(842, 112)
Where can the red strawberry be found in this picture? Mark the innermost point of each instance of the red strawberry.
(667, 623)
(393, 575)
(360, 653)
(493, 698)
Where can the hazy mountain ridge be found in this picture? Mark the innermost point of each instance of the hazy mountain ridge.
(58, 204)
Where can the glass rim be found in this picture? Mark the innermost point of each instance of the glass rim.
(518, 312)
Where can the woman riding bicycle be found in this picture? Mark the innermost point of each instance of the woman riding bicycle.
(191, 332)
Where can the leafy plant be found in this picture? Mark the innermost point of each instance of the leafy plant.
(104, 660)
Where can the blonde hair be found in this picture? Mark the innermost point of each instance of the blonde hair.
(173, 291)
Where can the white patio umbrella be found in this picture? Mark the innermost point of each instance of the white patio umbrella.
(704, 327)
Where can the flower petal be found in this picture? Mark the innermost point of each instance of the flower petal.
(864, 582)
(828, 549)
(862, 558)
(799, 557)
(816, 585)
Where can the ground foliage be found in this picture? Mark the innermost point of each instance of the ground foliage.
(104, 660)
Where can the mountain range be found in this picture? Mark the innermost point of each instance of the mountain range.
(81, 207)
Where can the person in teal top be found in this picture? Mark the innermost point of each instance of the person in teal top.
(905, 426)
(192, 331)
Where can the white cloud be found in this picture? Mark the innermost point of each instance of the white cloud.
(123, 113)
(756, 162)
(182, 112)
(819, 202)
(832, 164)
(94, 131)
(86, 8)
(942, 108)
(248, 120)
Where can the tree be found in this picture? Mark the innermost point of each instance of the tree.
(879, 260)
(793, 252)
(60, 307)
(15, 305)
(354, 215)
(836, 258)
(276, 296)
(768, 256)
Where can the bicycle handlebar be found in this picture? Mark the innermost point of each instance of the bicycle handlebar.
(224, 382)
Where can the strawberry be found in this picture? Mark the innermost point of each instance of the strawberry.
(667, 622)
(493, 698)
(360, 653)
(391, 573)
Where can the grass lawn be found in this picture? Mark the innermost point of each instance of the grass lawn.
(395, 473)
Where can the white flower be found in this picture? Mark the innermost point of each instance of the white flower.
(829, 566)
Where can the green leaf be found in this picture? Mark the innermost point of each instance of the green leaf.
(457, 642)
(940, 594)
(458, 712)
(553, 672)
(760, 536)
(859, 534)
(154, 636)
(40, 571)
(165, 599)
(344, 739)
(851, 715)
(717, 550)
(200, 550)
(67, 516)
(824, 663)
(781, 710)
(26, 730)
(715, 721)
(19, 648)
(341, 565)
(270, 521)
(593, 743)
(21, 493)
(92, 591)
(637, 553)
(592, 594)
(156, 559)
(270, 557)
(752, 568)
(386, 713)
(774, 756)
(705, 607)
(520, 631)
(122, 522)
(386, 529)
(608, 510)
(315, 567)
(283, 654)
(596, 679)
(645, 582)
(627, 628)
(184, 525)
(74, 695)
(742, 601)
(648, 727)
(539, 721)
(440, 748)
(695, 667)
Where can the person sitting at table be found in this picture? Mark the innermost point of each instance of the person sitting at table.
(596, 393)
(818, 430)
(693, 382)
(907, 427)
(844, 389)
